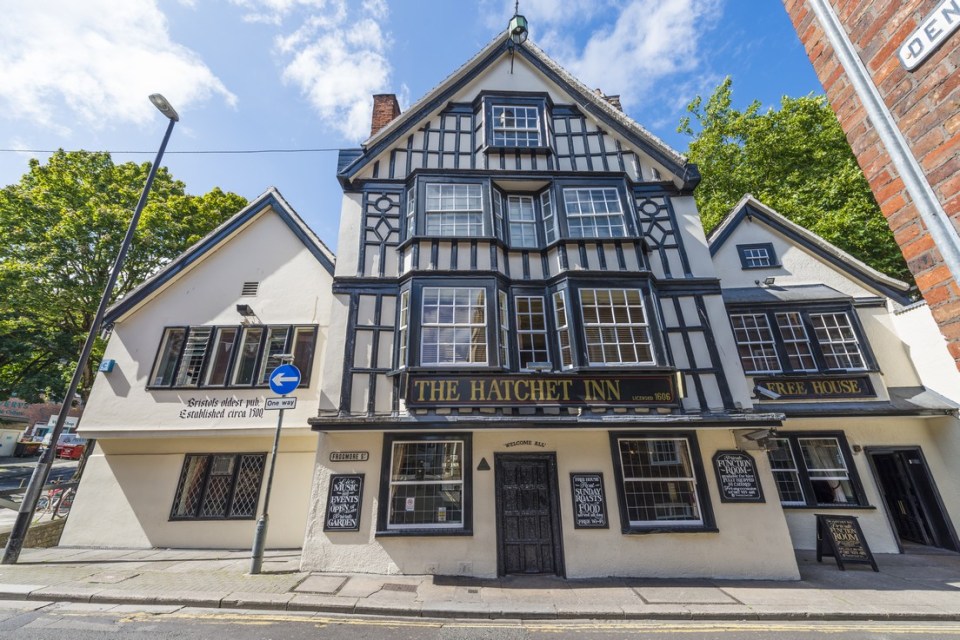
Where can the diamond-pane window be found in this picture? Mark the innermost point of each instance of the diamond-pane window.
(218, 486)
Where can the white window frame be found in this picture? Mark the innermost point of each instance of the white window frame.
(793, 331)
(765, 343)
(514, 135)
(610, 333)
(834, 345)
(561, 315)
(523, 309)
(590, 217)
(403, 323)
(549, 217)
(445, 328)
(454, 210)
(793, 472)
(522, 221)
(504, 317)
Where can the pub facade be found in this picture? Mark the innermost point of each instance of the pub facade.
(538, 374)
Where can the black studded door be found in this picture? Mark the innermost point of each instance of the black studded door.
(528, 515)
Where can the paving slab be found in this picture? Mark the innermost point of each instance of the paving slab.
(12, 590)
(319, 602)
(320, 584)
(454, 609)
(243, 600)
(684, 595)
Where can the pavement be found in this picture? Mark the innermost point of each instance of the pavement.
(912, 586)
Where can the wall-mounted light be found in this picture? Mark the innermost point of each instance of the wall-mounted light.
(767, 282)
(245, 310)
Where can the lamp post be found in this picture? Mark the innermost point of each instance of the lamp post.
(42, 471)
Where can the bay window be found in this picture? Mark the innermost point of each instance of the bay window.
(454, 210)
(615, 327)
(594, 212)
(453, 326)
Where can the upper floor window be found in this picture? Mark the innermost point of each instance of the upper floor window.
(594, 213)
(615, 327)
(453, 326)
(230, 356)
(803, 341)
(515, 126)
(522, 221)
(454, 210)
(531, 331)
(757, 256)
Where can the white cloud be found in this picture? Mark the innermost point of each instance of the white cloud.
(630, 44)
(335, 56)
(99, 58)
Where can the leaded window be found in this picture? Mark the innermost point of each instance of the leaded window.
(515, 126)
(426, 486)
(659, 482)
(615, 327)
(453, 326)
(522, 221)
(594, 213)
(454, 210)
(755, 343)
(531, 330)
(219, 486)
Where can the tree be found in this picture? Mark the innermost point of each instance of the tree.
(797, 161)
(63, 224)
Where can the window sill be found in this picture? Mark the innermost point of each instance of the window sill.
(831, 507)
(637, 531)
(423, 533)
(495, 148)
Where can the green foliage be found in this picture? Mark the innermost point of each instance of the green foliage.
(795, 160)
(63, 225)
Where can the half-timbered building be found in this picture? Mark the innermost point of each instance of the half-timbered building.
(861, 375)
(538, 373)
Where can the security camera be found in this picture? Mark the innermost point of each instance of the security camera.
(766, 393)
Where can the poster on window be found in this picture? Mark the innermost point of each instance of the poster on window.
(737, 477)
(343, 503)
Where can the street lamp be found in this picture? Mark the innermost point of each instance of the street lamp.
(42, 471)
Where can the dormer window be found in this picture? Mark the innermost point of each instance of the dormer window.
(515, 126)
(515, 121)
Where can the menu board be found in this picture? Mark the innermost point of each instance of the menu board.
(589, 501)
(343, 503)
(737, 477)
(842, 538)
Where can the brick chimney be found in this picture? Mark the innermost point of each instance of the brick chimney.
(385, 109)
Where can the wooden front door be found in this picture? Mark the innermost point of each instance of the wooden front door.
(528, 515)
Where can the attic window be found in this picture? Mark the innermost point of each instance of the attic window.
(515, 122)
(249, 289)
(757, 256)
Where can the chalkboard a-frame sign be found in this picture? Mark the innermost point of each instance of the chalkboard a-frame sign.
(589, 501)
(343, 503)
(842, 538)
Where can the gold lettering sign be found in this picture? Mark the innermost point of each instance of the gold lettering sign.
(540, 390)
(817, 388)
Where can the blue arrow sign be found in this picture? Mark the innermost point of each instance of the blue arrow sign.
(284, 379)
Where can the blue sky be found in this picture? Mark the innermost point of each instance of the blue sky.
(298, 74)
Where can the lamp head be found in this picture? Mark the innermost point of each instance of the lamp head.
(164, 107)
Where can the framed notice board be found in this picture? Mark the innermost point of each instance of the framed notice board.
(343, 503)
(589, 501)
(737, 477)
(842, 538)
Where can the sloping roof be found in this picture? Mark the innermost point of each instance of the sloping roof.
(587, 98)
(270, 198)
(904, 401)
(774, 294)
(750, 207)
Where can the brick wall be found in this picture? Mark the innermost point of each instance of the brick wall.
(40, 535)
(925, 103)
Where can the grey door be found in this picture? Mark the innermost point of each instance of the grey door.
(528, 524)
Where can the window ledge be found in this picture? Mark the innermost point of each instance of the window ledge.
(406, 533)
(509, 148)
(831, 507)
(634, 531)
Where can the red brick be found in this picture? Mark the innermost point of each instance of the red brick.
(889, 190)
(941, 153)
(948, 169)
(927, 143)
(937, 295)
(932, 278)
(896, 39)
(893, 205)
(915, 248)
(952, 207)
(946, 312)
